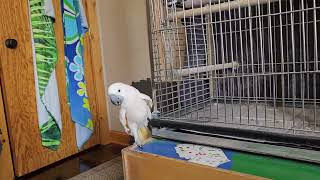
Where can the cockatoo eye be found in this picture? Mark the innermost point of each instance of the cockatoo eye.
(119, 90)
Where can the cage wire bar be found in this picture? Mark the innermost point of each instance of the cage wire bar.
(242, 64)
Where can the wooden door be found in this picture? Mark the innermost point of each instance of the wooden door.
(19, 92)
(6, 168)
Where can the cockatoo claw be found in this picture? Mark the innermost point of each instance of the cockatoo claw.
(137, 144)
(128, 131)
(155, 114)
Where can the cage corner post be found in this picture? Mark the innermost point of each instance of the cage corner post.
(211, 54)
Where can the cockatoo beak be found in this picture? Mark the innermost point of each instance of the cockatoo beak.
(116, 99)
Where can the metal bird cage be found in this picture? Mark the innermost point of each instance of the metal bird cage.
(241, 68)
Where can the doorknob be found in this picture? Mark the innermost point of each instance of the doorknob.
(11, 43)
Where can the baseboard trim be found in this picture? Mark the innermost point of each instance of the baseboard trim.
(118, 137)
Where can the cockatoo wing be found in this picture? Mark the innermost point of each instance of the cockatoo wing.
(147, 99)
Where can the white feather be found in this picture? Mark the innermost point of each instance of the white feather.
(135, 108)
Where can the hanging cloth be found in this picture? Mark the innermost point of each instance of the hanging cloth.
(45, 61)
(75, 26)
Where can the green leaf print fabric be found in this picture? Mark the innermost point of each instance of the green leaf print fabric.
(45, 60)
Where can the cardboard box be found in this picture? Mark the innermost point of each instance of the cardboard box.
(145, 166)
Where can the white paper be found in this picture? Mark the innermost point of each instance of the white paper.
(202, 154)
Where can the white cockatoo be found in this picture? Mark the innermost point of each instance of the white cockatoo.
(135, 110)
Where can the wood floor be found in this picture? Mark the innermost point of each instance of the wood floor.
(76, 165)
(111, 170)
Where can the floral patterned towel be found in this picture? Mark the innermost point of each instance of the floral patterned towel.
(75, 26)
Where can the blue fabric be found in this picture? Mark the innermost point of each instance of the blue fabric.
(76, 84)
(162, 148)
(166, 148)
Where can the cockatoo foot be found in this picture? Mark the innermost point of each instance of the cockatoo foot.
(138, 144)
(128, 131)
(155, 114)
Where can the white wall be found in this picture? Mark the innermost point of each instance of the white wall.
(138, 46)
(124, 42)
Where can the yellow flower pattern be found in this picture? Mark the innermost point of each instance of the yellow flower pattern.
(89, 124)
(86, 104)
(82, 89)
